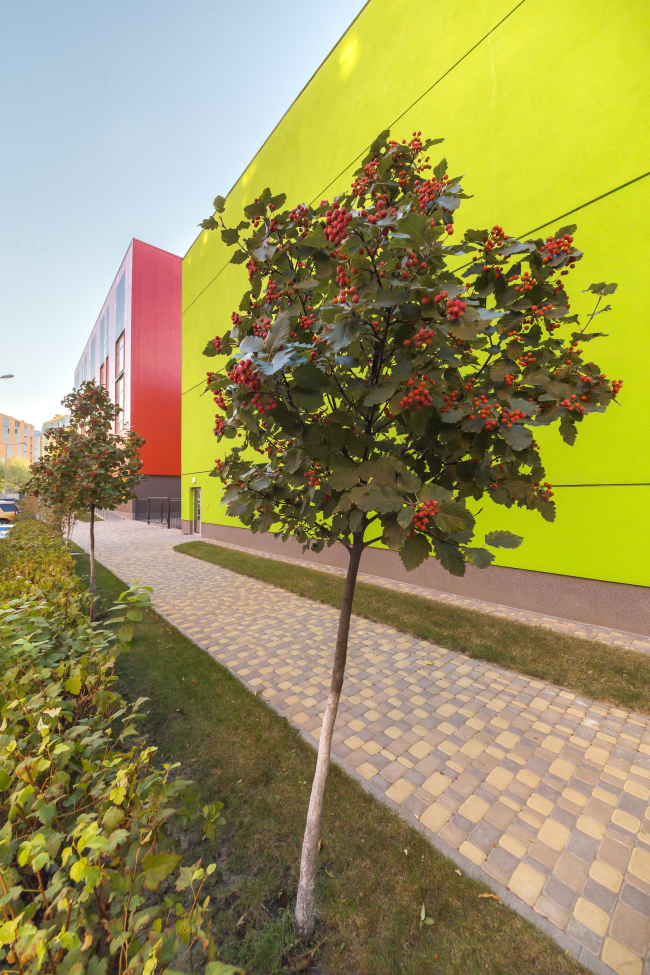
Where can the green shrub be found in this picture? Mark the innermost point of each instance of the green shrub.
(91, 874)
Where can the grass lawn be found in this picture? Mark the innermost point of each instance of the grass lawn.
(370, 891)
(85, 516)
(605, 673)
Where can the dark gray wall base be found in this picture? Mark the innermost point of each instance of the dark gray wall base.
(159, 486)
(610, 604)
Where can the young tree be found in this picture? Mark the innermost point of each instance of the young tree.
(86, 464)
(391, 379)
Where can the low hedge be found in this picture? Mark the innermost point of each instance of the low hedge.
(91, 873)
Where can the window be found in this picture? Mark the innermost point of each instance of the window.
(119, 356)
(8, 449)
(120, 302)
(92, 357)
(102, 375)
(16, 429)
(5, 429)
(119, 400)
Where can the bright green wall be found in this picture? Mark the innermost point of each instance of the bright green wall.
(544, 106)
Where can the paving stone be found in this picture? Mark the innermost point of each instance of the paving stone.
(542, 790)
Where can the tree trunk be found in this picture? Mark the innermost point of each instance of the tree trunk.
(304, 916)
(92, 550)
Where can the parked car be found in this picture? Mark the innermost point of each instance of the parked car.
(8, 512)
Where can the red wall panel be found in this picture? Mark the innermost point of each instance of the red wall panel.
(156, 357)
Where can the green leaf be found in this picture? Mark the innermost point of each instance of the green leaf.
(292, 460)
(73, 684)
(135, 615)
(379, 499)
(414, 551)
(416, 227)
(239, 257)
(219, 968)
(380, 394)
(448, 522)
(568, 430)
(157, 867)
(210, 350)
(394, 535)
(502, 368)
(601, 288)
(229, 236)
(480, 558)
(405, 516)
(518, 436)
(4, 780)
(125, 634)
(440, 170)
(219, 203)
(344, 478)
(503, 539)
(433, 492)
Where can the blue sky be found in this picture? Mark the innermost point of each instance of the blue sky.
(119, 120)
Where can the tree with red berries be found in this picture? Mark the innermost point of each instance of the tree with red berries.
(87, 465)
(380, 387)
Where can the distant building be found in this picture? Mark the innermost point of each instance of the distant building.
(134, 350)
(17, 439)
(40, 436)
(58, 420)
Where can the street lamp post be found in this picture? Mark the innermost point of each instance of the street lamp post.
(7, 375)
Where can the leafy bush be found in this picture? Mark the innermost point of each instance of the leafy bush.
(90, 868)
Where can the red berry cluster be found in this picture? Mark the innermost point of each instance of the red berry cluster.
(423, 337)
(261, 327)
(554, 247)
(527, 281)
(336, 222)
(616, 385)
(482, 406)
(219, 400)
(219, 465)
(540, 309)
(235, 319)
(526, 360)
(273, 292)
(427, 190)
(251, 267)
(450, 400)
(244, 375)
(495, 238)
(219, 425)
(263, 406)
(416, 396)
(508, 418)
(348, 290)
(217, 344)
(424, 514)
(455, 308)
(543, 491)
(300, 216)
(572, 404)
(313, 476)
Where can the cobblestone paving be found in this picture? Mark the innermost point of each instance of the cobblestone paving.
(541, 793)
(604, 634)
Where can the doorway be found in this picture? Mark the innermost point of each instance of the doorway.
(196, 511)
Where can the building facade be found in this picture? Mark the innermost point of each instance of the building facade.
(17, 439)
(134, 350)
(532, 164)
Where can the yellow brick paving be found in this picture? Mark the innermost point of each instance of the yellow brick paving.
(544, 792)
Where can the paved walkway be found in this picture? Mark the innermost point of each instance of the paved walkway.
(589, 631)
(539, 792)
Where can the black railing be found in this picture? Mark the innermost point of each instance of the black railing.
(158, 511)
